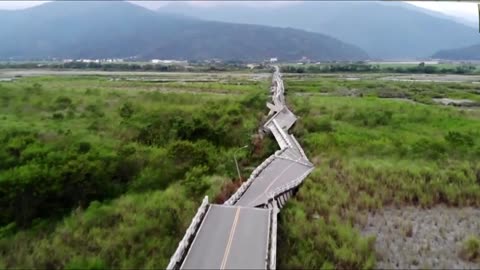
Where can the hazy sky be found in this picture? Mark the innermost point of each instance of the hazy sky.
(466, 11)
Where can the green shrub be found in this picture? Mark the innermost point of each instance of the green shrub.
(127, 110)
(318, 125)
(151, 179)
(100, 168)
(470, 250)
(381, 153)
(57, 116)
(36, 88)
(429, 148)
(93, 263)
(95, 110)
(62, 103)
(121, 234)
(457, 139)
(84, 147)
(196, 181)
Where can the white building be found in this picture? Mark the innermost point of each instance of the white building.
(158, 61)
(89, 60)
(113, 60)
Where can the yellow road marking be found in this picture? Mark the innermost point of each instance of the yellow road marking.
(230, 239)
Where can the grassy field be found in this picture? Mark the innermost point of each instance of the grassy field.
(379, 67)
(371, 152)
(439, 65)
(106, 171)
(102, 172)
(376, 86)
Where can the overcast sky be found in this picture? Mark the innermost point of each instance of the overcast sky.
(467, 11)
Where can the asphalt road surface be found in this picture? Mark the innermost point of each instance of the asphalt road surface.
(277, 174)
(237, 237)
(230, 238)
(293, 153)
(285, 119)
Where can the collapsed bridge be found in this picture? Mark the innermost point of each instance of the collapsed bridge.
(242, 233)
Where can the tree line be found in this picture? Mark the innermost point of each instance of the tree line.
(368, 68)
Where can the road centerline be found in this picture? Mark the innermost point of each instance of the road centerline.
(230, 239)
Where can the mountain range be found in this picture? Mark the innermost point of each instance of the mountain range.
(316, 30)
(383, 30)
(466, 53)
(117, 29)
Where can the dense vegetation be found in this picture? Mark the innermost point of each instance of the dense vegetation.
(193, 66)
(471, 249)
(108, 173)
(423, 92)
(369, 153)
(421, 68)
(100, 172)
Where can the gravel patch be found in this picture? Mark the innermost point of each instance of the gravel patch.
(433, 78)
(413, 238)
(456, 102)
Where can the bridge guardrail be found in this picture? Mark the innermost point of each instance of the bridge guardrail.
(299, 147)
(284, 142)
(273, 239)
(236, 196)
(182, 248)
(282, 133)
(293, 184)
(276, 198)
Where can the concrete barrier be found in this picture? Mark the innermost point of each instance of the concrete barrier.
(282, 133)
(179, 255)
(273, 239)
(278, 197)
(301, 161)
(284, 140)
(236, 196)
(290, 186)
(297, 144)
(277, 134)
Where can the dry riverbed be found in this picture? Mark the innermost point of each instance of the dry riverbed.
(449, 78)
(413, 238)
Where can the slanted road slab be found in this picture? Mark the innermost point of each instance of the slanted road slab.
(278, 174)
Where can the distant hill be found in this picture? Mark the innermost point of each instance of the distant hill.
(466, 53)
(120, 29)
(384, 30)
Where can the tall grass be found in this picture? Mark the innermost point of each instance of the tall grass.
(369, 153)
(98, 174)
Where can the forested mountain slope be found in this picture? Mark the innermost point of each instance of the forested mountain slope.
(466, 53)
(121, 29)
(384, 30)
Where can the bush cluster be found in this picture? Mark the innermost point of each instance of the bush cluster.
(371, 68)
(370, 153)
